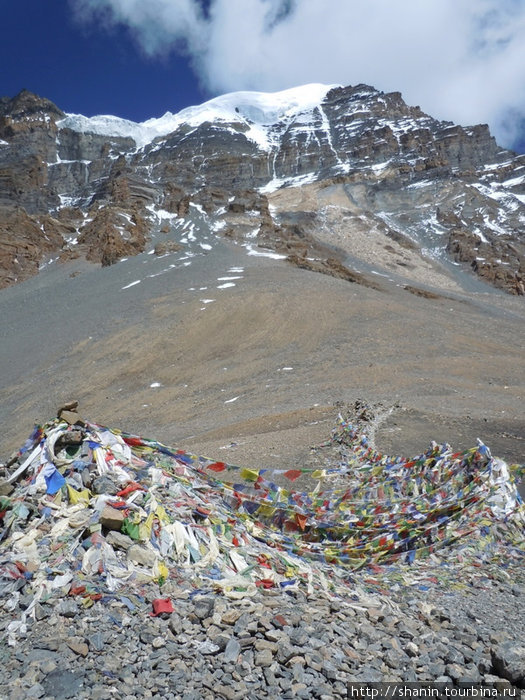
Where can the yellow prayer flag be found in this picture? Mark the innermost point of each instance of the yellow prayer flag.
(78, 496)
(249, 474)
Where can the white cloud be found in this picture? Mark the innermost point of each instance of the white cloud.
(458, 59)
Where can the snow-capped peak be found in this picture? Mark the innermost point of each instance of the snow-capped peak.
(264, 108)
(257, 109)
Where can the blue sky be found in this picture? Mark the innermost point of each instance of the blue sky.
(86, 69)
(462, 60)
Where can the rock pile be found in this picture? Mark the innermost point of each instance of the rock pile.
(113, 542)
(277, 645)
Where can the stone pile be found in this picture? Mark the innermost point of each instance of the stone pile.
(278, 645)
(129, 568)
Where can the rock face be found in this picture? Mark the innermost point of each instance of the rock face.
(100, 188)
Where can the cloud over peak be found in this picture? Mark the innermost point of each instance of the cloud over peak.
(458, 60)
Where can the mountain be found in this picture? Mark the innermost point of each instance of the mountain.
(347, 181)
(220, 278)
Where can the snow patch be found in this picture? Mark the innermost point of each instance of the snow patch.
(418, 185)
(514, 181)
(161, 213)
(255, 109)
(198, 207)
(264, 253)
(279, 182)
(381, 166)
(66, 201)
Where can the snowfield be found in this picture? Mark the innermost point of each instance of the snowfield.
(255, 109)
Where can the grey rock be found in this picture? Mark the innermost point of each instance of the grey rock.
(395, 660)
(273, 635)
(248, 659)
(225, 691)
(264, 658)
(175, 623)
(455, 671)
(67, 608)
(298, 672)
(203, 607)
(411, 649)
(158, 642)
(232, 651)
(269, 676)
(436, 669)
(410, 676)
(443, 680)
(221, 640)
(298, 637)
(48, 665)
(241, 622)
(471, 676)
(207, 647)
(454, 656)
(406, 632)
(329, 671)
(97, 641)
(508, 660)
(40, 655)
(141, 555)
(284, 652)
(104, 484)
(52, 644)
(119, 540)
(368, 675)
(62, 684)
(496, 681)
(41, 612)
(315, 643)
(246, 641)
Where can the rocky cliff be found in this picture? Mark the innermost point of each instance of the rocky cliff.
(311, 173)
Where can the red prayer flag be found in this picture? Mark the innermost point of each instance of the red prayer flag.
(77, 590)
(292, 474)
(301, 520)
(132, 486)
(133, 441)
(263, 561)
(265, 583)
(217, 466)
(160, 606)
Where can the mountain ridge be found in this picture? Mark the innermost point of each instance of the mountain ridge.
(446, 190)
